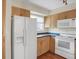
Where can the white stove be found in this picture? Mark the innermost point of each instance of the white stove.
(65, 45)
(68, 35)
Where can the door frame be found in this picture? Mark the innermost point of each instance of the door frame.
(3, 29)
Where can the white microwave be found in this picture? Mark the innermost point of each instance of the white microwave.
(66, 23)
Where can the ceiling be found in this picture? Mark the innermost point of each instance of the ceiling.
(45, 7)
(51, 4)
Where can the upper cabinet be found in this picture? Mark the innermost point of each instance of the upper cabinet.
(51, 21)
(62, 16)
(67, 15)
(71, 14)
(20, 12)
(47, 21)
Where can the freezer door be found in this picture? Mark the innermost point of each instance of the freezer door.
(18, 37)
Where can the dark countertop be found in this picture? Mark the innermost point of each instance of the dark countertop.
(47, 33)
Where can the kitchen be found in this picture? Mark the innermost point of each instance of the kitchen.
(54, 30)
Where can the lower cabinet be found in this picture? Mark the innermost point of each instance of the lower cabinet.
(52, 45)
(43, 45)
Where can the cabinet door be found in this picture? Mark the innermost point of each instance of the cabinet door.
(24, 12)
(54, 19)
(45, 44)
(20, 12)
(62, 16)
(47, 21)
(15, 11)
(39, 46)
(52, 45)
(71, 14)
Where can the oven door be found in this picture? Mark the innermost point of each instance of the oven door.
(65, 44)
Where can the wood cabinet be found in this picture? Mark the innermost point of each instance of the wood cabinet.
(67, 14)
(47, 21)
(15, 11)
(52, 45)
(43, 45)
(62, 16)
(51, 20)
(20, 12)
(71, 14)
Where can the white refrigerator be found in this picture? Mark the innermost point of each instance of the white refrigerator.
(24, 41)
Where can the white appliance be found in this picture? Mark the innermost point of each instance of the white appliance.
(24, 38)
(66, 23)
(65, 45)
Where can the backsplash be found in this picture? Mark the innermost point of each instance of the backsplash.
(68, 31)
(45, 30)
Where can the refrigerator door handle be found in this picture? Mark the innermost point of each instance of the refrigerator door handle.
(24, 34)
(23, 38)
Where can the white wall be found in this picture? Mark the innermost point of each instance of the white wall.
(8, 29)
(63, 30)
